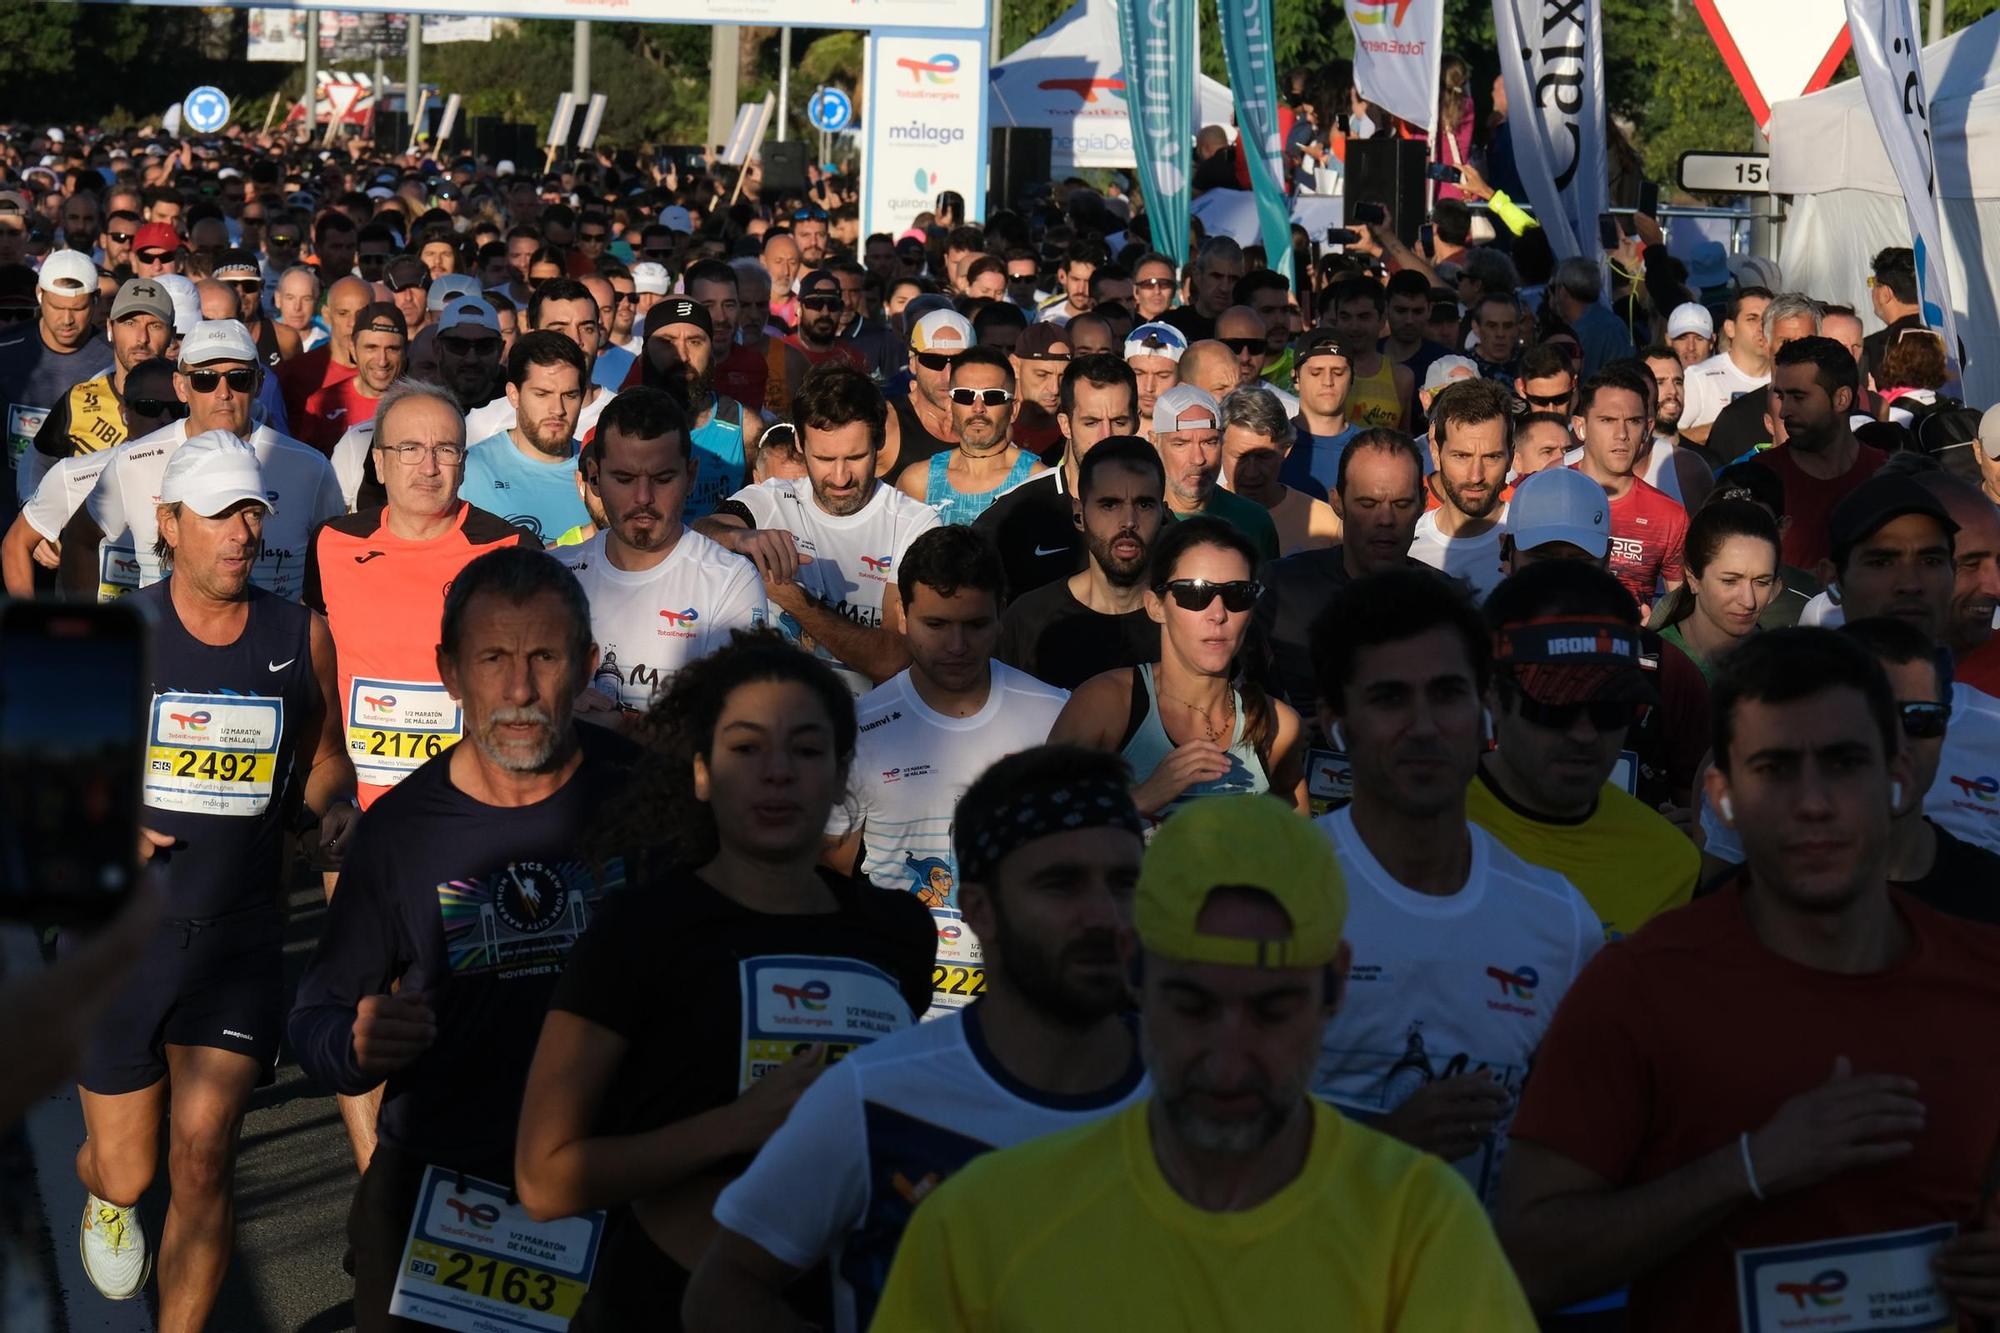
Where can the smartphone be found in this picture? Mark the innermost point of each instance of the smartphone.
(73, 697)
(1608, 234)
(1649, 199)
(1342, 236)
(1444, 171)
(1371, 215)
(1426, 236)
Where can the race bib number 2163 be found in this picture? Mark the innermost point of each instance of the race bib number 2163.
(478, 1263)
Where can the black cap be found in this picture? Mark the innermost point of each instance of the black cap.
(678, 310)
(819, 282)
(1871, 506)
(1319, 342)
(228, 260)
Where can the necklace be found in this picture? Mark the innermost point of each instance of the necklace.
(1214, 733)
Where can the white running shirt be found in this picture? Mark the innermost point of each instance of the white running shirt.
(1713, 385)
(911, 764)
(875, 1134)
(651, 623)
(854, 558)
(300, 483)
(1474, 559)
(1452, 985)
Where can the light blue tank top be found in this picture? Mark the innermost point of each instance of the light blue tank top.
(955, 507)
(1150, 745)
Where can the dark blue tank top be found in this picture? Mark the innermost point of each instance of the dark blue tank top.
(222, 739)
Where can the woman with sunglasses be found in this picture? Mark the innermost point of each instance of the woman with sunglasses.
(1732, 575)
(1193, 724)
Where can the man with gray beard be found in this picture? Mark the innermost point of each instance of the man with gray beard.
(458, 902)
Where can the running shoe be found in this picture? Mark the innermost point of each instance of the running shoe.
(114, 1249)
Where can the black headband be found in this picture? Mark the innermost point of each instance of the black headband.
(1040, 814)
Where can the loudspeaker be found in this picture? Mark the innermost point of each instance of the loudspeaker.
(1389, 172)
(522, 143)
(784, 169)
(485, 132)
(392, 130)
(1016, 160)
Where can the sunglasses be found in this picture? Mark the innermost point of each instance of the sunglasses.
(371, 261)
(14, 314)
(1924, 721)
(1199, 594)
(277, 240)
(156, 256)
(251, 220)
(458, 346)
(935, 360)
(421, 281)
(1604, 714)
(240, 381)
(157, 409)
(593, 237)
(983, 397)
(120, 237)
(244, 284)
(809, 215)
(1243, 346)
(1153, 284)
(820, 302)
(657, 253)
(1549, 402)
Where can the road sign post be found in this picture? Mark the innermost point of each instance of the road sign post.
(205, 110)
(830, 110)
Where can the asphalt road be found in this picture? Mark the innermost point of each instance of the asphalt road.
(293, 1183)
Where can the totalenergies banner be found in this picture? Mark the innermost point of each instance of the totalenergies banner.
(954, 14)
(925, 115)
(1397, 46)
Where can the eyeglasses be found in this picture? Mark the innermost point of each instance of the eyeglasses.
(1924, 720)
(120, 237)
(1153, 284)
(1549, 402)
(1244, 346)
(158, 409)
(458, 346)
(1199, 594)
(820, 302)
(240, 381)
(1604, 714)
(983, 397)
(935, 360)
(447, 455)
(396, 284)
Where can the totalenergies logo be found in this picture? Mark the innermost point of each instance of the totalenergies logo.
(379, 703)
(879, 564)
(680, 618)
(1087, 89)
(1519, 983)
(1824, 1289)
(941, 68)
(480, 1215)
(812, 996)
(1982, 789)
(1377, 11)
(949, 933)
(192, 721)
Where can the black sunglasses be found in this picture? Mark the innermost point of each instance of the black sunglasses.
(935, 360)
(240, 381)
(1243, 346)
(821, 302)
(458, 346)
(14, 314)
(593, 237)
(655, 252)
(159, 409)
(283, 241)
(372, 261)
(1552, 402)
(1198, 594)
(1604, 714)
(1923, 720)
(121, 237)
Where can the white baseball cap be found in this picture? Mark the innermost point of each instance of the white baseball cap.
(1989, 434)
(1446, 369)
(67, 273)
(449, 288)
(942, 331)
(675, 218)
(1689, 317)
(649, 279)
(1156, 339)
(213, 471)
(505, 167)
(1184, 407)
(187, 301)
(1559, 504)
(218, 340)
(469, 310)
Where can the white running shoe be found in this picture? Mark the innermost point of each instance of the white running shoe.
(114, 1249)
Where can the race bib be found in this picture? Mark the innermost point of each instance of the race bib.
(1625, 773)
(117, 572)
(478, 1263)
(959, 975)
(793, 1001)
(395, 726)
(1329, 779)
(22, 424)
(213, 754)
(1875, 1282)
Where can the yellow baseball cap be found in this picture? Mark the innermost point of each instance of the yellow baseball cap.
(1241, 841)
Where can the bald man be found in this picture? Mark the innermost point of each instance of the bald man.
(1243, 331)
(782, 261)
(1210, 366)
(333, 361)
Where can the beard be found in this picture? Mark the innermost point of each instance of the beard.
(553, 447)
(1123, 573)
(1229, 1138)
(1487, 504)
(1041, 974)
(517, 756)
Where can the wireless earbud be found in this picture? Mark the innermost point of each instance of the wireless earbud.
(1895, 795)
(1339, 740)
(1486, 733)
(1728, 808)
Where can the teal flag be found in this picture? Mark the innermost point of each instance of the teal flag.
(1156, 38)
(1253, 79)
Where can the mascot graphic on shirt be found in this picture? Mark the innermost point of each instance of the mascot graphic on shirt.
(931, 879)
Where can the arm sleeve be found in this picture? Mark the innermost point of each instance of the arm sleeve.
(360, 953)
(1454, 1264)
(1510, 213)
(808, 1185)
(761, 503)
(1591, 1092)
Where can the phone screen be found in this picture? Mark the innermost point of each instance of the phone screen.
(72, 732)
(1649, 199)
(1370, 215)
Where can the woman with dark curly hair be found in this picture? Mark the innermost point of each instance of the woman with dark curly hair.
(712, 992)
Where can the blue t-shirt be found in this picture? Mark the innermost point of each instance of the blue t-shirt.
(538, 496)
(613, 365)
(719, 451)
(1313, 465)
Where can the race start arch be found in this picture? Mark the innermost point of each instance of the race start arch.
(923, 101)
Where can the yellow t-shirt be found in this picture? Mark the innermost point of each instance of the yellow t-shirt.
(1080, 1231)
(1629, 864)
(1373, 401)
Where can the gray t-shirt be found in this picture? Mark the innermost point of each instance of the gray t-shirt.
(33, 378)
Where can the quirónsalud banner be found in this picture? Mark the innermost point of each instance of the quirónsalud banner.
(1158, 40)
(1253, 78)
(1552, 57)
(1892, 78)
(1397, 47)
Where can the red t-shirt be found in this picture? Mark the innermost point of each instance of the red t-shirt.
(1648, 531)
(1809, 500)
(742, 375)
(306, 374)
(1980, 668)
(1675, 1041)
(331, 412)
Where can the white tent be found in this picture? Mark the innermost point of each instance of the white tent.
(1825, 152)
(1070, 80)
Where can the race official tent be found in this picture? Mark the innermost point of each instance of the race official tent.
(1070, 80)
(1826, 153)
